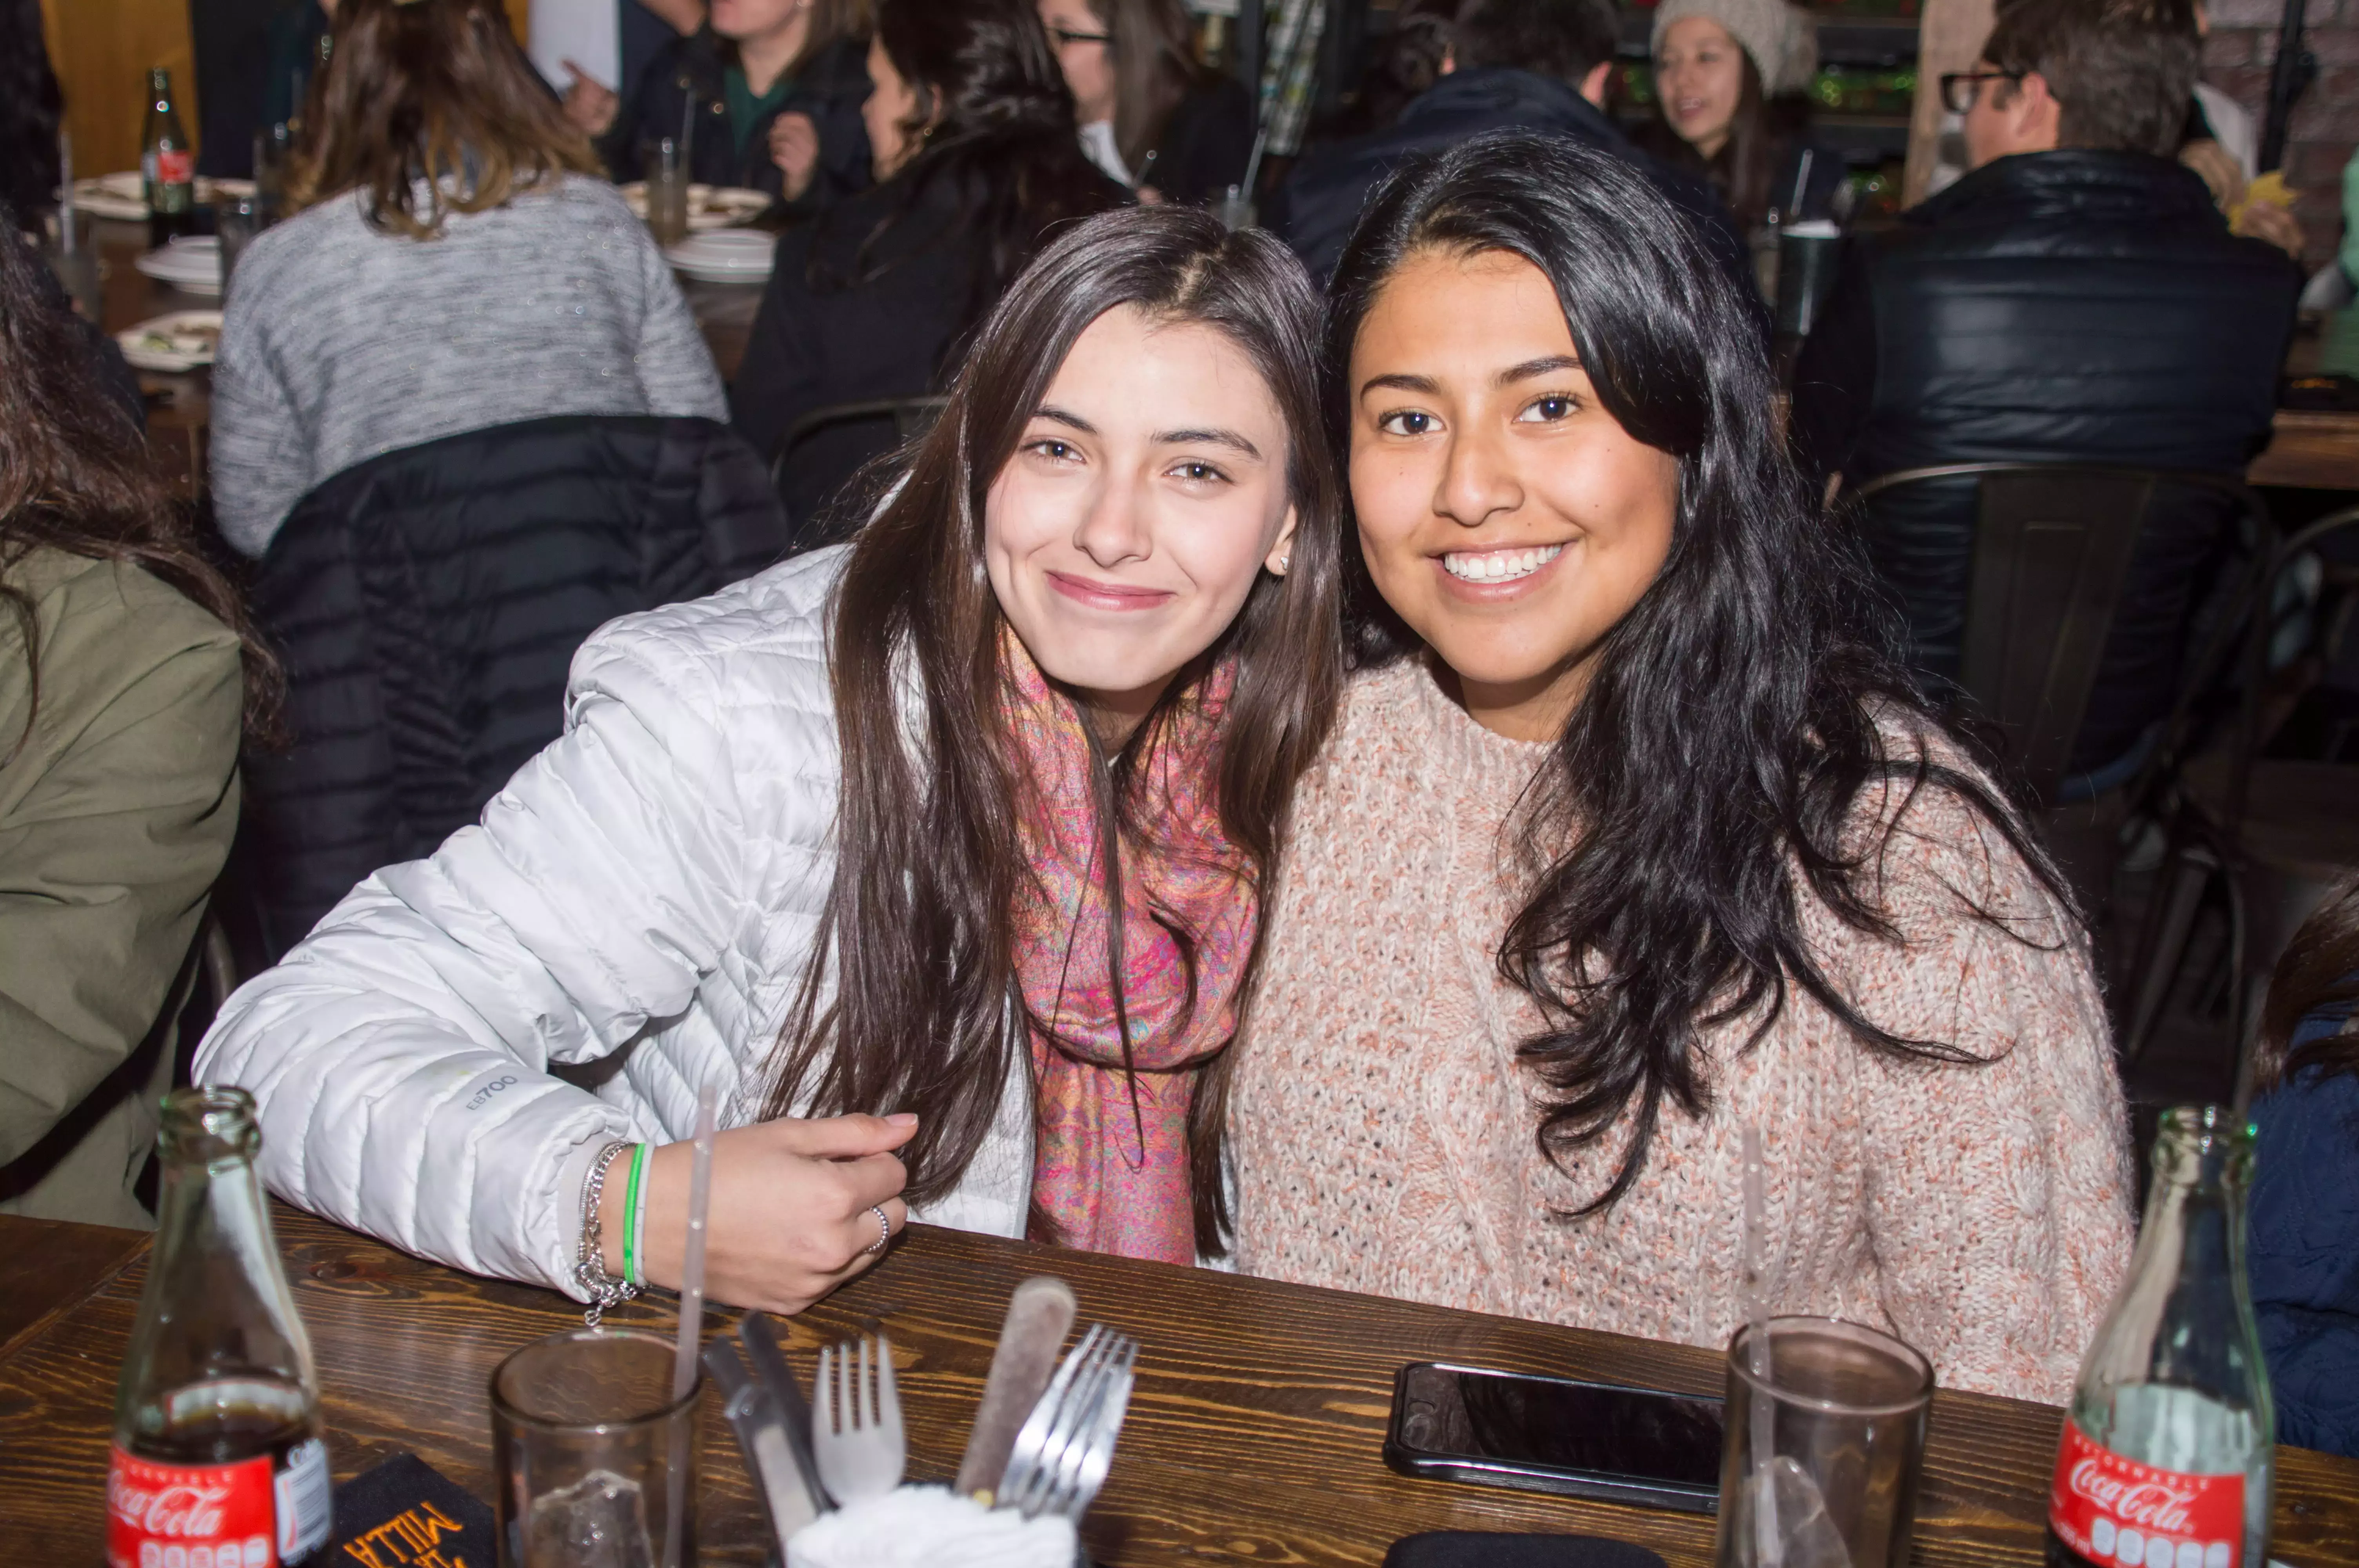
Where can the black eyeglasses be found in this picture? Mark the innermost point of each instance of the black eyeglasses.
(1960, 88)
(1064, 38)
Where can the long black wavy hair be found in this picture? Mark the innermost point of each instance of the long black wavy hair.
(1712, 775)
(995, 126)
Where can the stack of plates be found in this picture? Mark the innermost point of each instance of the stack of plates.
(726, 255)
(123, 197)
(184, 341)
(191, 263)
(709, 206)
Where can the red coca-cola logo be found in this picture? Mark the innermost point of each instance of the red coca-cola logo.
(2113, 1510)
(179, 1509)
(2154, 1505)
(190, 1516)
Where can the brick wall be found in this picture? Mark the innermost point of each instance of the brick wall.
(2238, 59)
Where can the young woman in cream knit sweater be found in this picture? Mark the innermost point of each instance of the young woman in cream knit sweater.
(1632, 836)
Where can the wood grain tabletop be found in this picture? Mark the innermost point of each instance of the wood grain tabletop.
(1254, 1437)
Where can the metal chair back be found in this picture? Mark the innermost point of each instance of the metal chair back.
(2053, 549)
(911, 418)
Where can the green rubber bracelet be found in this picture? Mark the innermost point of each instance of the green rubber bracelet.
(630, 1217)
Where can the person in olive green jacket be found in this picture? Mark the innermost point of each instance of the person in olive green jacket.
(123, 688)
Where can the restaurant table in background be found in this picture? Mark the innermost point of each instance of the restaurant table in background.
(1255, 1436)
(179, 407)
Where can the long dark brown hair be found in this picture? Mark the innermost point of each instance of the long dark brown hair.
(996, 124)
(1744, 716)
(910, 1002)
(429, 107)
(1746, 168)
(75, 476)
(1153, 69)
(2319, 972)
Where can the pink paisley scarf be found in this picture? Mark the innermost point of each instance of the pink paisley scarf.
(1111, 1173)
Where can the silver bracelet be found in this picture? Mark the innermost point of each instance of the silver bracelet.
(606, 1291)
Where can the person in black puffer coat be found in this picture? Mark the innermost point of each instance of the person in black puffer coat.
(1529, 65)
(2076, 299)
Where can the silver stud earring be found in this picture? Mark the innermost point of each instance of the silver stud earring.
(1284, 562)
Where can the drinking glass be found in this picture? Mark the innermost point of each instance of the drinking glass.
(1806, 271)
(1845, 1411)
(667, 167)
(590, 1452)
(72, 254)
(274, 158)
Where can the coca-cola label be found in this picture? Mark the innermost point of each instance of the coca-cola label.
(2116, 1510)
(190, 1516)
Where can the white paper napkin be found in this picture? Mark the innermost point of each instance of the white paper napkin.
(926, 1527)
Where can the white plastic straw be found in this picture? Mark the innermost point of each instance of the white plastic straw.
(692, 1312)
(1768, 1546)
(65, 193)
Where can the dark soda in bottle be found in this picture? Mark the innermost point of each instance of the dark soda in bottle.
(218, 1459)
(2168, 1449)
(168, 165)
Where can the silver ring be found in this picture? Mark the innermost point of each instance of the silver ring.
(883, 1230)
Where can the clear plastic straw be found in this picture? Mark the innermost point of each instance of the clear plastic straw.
(1768, 1546)
(691, 1309)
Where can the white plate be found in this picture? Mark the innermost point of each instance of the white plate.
(123, 197)
(709, 206)
(191, 263)
(151, 346)
(726, 255)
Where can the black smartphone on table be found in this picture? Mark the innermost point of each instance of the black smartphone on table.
(1557, 1434)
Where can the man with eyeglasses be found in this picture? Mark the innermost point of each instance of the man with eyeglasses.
(2075, 298)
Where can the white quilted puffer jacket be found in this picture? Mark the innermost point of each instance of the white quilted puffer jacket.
(645, 888)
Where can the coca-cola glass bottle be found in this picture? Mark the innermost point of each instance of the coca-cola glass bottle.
(2170, 1446)
(168, 165)
(218, 1461)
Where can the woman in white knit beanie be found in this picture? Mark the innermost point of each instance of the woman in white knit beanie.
(1729, 80)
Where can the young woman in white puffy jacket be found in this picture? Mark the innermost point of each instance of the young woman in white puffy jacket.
(840, 844)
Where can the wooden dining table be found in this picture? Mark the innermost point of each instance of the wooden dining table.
(1255, 1436)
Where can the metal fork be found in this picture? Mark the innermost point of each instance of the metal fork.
(857, 1422)
(1062, 1456)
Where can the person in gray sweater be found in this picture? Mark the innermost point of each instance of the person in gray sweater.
(508, 283)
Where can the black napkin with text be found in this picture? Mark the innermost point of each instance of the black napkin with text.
(1488, 1549)
(405, 1513)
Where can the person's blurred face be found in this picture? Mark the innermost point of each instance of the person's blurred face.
(1085, 52)
(1146, 495)
(887, 110)
(2009, 118)
(1505, 514)
(1699, 78)
(744, 20)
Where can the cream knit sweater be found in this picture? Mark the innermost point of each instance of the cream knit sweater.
(1384, 1132)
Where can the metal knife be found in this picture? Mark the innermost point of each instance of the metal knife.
(770, 1370)
(1039, 1316)
(761, 1435)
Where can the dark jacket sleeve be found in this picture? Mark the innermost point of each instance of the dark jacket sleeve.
(1206, 144)
(1834, 378)
(2304, 1256)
